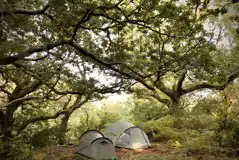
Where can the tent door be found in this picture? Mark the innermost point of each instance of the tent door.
(138, 138)
(124, 141)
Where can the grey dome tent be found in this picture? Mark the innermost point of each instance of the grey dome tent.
(94, 145)
(126, 135)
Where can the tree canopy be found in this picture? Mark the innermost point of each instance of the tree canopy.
(57, 48)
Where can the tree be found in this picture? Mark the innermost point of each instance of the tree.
(50, 49)
(70, 109)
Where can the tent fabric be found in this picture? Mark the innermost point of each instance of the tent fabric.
(116, 129)
(93, 144)
(125, 135)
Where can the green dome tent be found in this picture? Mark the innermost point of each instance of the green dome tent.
(94, 145)
(126, 135)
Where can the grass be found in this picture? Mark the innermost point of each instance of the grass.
(157, 152)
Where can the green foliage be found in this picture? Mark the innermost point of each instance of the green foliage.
(92, 117)
(16, 149)
(195, 122)
(148, 109)
(170, 48)
(161, 130)
(227, 130)
(45, 137)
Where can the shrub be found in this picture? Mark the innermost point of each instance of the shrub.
(15, 149)
(45, 137)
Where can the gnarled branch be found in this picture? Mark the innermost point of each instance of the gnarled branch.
(211, 86)
(11, 59)
(54, 116)
(85, 53)
(40, 118)
(25, 12)
(22, 99)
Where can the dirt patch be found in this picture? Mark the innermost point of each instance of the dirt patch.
(68, 152)
(56, 153)
(155, 149)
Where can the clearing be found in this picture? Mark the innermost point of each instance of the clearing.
(157, 152)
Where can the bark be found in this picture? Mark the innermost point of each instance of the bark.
(63, 129)
(40, 118)
(1, 124)
(100, 62)
(176, 93)
(64, 121)
(25, 12)
(14, 101)
(8, 121)
(12, 59)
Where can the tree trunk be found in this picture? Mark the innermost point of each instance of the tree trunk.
(176, 107)
(63, 129)
(1, 124)
(7, 122)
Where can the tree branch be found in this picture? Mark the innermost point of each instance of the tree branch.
(211, 86)
(110, 7)
(84, 18)
(111, 89)
(162, 100)
(180, 82)
(22, 99)
(54, 116)
(29, 89)
(79, 104)
(40, 118)
(36, 59)
(46, 47)
(25, 12)
(107, 65)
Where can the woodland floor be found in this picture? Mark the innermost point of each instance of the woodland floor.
(157, 152)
